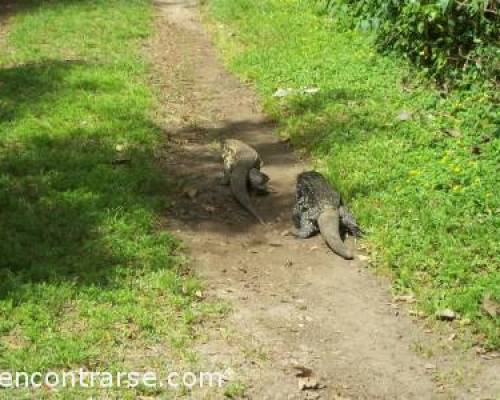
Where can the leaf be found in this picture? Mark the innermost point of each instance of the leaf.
(444, 4)
(491, 307)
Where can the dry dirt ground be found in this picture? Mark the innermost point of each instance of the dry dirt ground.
(294, 303)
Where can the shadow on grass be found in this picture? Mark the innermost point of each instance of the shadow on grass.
(335, 120)
(301, 104)
(24, 87)
(11, 7)
(314, 121)
(72, 207)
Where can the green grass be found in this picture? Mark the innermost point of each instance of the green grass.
(235, 390)
(87, 277)
(425, 190)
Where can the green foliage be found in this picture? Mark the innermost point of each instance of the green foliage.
(425, 189)
(235, 390)
(449, 38)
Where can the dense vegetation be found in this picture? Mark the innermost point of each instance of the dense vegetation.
(419, 168)
(87, 278)
(449, 38)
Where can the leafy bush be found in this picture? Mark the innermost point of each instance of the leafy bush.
(447, 37)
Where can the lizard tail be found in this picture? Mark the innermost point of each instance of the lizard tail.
(239, 178)
(328, 223)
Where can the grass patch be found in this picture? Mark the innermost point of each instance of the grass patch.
(235, 390)
(419, 168)
(87, 277)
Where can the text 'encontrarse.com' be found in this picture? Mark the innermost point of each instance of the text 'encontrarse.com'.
(97, 379)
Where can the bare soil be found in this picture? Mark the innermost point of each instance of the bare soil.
(294, 303)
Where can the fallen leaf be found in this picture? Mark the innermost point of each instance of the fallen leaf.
(453, 132)
(493, 355)
(309, 383)
(302, 372)
(475, 150)
(446, 315)
(491, 307)
(404, 116)
(312, 90)
(191, 192)
(405, 298)
(229, 375)
(480, 350)
(440, 389)
(282, 92)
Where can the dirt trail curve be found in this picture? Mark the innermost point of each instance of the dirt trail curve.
(294, 302)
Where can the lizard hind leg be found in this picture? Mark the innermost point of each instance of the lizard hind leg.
(225, 178)
(257, 181)
(307, 228)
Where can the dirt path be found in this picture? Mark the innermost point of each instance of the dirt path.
(294, 303)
